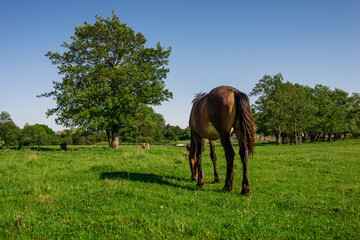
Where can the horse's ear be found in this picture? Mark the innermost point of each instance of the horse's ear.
(188, 147)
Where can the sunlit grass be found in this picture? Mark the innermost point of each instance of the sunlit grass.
(303, 191)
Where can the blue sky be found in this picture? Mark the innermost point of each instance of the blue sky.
(213, 43)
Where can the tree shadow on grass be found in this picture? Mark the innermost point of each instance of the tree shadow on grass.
(146, 178)
(40, 149)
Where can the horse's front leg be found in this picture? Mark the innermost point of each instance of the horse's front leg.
(192, 160)
(244, 159)
(213, 159)
(200, 175)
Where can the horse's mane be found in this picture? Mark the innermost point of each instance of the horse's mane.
(198, 96)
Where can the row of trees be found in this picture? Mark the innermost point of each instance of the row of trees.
(151, 130)
(295, 112)
(42, 135)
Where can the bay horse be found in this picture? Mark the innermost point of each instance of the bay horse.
(215, 116)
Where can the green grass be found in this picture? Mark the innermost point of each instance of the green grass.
(297, 192)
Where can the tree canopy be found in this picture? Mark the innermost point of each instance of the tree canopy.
(293, 111)
(9, 132)
(269, 92)
(109, 75)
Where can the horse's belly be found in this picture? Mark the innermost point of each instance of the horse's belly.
(211, 133)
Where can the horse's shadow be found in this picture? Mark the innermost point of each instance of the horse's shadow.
(144, 177)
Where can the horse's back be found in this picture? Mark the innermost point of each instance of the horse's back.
(199, 120)
(222, 108)
(214, 113)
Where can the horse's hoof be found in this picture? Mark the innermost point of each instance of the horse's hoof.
(216, 180)
(227, 188)
(245, 191)
(200, 183)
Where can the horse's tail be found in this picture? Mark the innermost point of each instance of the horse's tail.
(247, 123)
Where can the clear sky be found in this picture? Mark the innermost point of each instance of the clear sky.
(213, 43)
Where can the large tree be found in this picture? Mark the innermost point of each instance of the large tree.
(297, 110)
(270, 113)
(109, 74)
(325, 108)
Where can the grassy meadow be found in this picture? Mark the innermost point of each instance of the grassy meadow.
(297, 192)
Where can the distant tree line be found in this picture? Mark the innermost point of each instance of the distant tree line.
(295, 113)
(151, 129)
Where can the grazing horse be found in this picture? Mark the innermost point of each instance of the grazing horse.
(215, 116)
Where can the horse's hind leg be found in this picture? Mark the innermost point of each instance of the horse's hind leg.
(245, 182)
(199, 145)
(213, 159)
(244, 159)
(229, 154)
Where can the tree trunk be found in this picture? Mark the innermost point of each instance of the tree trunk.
(108, 134)
(329, 137)
(295, 135)
(318, 137)
(283, 136)
(312, 137)
(113, 138)
(278, 140)
(296, 139)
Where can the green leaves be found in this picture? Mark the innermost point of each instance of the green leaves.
(9, 132)
(270, 111)
(108, 75)
(291, 109)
